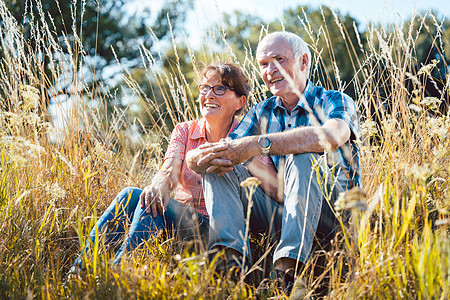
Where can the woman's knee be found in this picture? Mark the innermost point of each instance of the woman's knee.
(127, 192)
(128, 198)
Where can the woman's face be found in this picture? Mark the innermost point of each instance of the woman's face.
(218, 107)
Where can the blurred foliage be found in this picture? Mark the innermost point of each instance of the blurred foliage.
(108, 31)
(339, 45)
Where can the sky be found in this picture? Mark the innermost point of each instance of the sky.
(363, 10)
(207, 12)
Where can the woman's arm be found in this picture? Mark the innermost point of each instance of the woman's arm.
(155, 197)
(267, 174)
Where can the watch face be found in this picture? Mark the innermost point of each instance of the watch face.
(264, 142)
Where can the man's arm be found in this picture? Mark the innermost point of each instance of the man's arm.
(333, 134)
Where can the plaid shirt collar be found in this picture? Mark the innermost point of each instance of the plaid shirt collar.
(308, 93)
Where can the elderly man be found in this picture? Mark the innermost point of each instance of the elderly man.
(296, 127)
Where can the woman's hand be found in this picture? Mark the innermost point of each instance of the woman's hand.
(155, 197)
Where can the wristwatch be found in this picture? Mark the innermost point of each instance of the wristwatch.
(264, 143)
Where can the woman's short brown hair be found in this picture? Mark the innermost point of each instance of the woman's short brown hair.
(233, 77)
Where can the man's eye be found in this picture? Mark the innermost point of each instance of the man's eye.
(221, 88)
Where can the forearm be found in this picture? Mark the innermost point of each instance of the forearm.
(163, 181)
(295, 141)
(167, 177)
(330, 136)
(310, 139)
(155, 197)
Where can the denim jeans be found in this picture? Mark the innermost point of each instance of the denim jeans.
(304, 215)
(178, 218)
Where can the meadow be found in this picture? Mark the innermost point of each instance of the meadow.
(56, 180)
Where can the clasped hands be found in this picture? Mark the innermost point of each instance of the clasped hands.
(219, 157)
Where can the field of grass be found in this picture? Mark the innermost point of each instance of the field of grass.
(54, 182)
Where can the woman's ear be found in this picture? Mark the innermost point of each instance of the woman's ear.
(241, 102)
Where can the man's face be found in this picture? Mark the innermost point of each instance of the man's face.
(278, 49)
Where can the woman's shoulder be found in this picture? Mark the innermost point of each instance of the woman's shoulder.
(190, 129)
(189, 124)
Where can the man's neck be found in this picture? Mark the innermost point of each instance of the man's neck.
(291, 99)
(290, 102)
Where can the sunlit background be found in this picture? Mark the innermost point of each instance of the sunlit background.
(208, 13)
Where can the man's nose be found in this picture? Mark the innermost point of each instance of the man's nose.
(272, 68)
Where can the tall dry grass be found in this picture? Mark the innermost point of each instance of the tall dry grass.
(396, 244)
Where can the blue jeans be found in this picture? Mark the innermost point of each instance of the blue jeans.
(304, 215)
(182, 220)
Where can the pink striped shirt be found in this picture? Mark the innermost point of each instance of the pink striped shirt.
(187, 136)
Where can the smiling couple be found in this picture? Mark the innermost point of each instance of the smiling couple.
(279, 141)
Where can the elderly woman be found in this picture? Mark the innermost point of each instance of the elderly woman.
(224, 90)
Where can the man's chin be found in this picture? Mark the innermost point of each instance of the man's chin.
(277, 92)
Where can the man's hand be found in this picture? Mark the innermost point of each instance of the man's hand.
(209, 157)
(222, 156)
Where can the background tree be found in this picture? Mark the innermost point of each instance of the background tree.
(97, 34)
(334, 40)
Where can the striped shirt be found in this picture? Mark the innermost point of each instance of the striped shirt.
(187, 136)
(318, 106)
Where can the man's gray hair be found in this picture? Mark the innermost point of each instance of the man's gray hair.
(298, 45)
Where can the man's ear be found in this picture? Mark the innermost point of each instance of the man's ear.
(304, 61)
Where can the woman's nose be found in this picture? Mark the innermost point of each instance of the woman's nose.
(210, 93)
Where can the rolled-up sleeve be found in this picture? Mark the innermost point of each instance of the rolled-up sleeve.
(178, 142)
(340, 106)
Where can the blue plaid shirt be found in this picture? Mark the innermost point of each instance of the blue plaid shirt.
(271, 116)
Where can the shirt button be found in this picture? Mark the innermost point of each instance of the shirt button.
(289, 125)
(199, 182)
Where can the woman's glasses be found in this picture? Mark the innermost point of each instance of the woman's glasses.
(219, 90)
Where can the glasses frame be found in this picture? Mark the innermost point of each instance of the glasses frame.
(201, 88)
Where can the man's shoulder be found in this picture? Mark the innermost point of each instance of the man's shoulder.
(321, 92)
(334, 94)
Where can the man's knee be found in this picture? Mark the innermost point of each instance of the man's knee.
(214, 185)
(303, 161)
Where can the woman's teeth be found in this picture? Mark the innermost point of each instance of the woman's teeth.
(211, 105)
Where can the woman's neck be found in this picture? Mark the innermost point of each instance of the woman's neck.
(217, 130)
